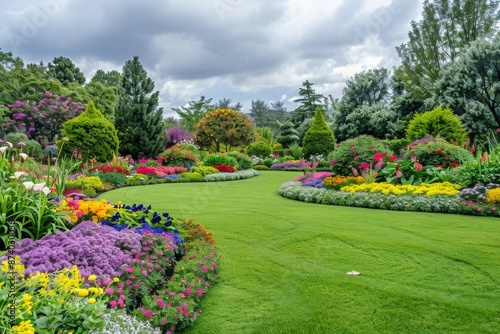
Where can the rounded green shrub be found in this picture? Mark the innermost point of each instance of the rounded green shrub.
(259, 149)
(397, 145)
(319, 139)
(215, 159)
(204, 170)
(137, 180)
(436, 152)
(438, 122)
(260, 167)
(192, 176)
(91, 134)
(243, 160)
(356, 151)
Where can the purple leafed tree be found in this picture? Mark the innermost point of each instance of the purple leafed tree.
(43, 120)
(176, 134)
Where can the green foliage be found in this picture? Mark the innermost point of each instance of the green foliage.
(259, 149)
(191, 176)
(260, 113)
(446, 28)
(115, 179)
(195, 110)
(204, 170)
(224, 128)
(308, 101)
(64, 70)
(436, 152)
(396, 145)
(470, 86)
(438, 122)
(265, 134)
(85, 182)
(91, 134)
(319, 139)
(244, 161)
(30, 147)
(288, 135)
(356, 151)
(216, 159)
(137, 180)
(260, 167)
(137, 117)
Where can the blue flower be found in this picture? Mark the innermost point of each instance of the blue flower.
(166, 215)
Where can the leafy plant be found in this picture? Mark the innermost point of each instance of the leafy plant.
(319, 139)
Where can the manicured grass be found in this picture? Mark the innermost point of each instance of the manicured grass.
(284, 262)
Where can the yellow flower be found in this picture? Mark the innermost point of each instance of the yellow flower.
(94, 290)
(116, 279)
(92, 278)
(91, 300)
(83, 292)
(25, 327)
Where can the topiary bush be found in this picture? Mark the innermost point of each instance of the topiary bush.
(192, 176)
(319, 139)
(288, 135)
(259, 148)
(356, 151)
(436, 152)
(438, 122)
(91, 134)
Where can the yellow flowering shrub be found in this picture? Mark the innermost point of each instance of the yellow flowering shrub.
(493, 196)
(444, 188)
(63, 292)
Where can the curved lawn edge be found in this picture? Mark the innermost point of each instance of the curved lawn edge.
(418, 203)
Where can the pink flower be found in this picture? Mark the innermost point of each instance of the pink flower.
(364, 165)
(121, 304)
(393, 158)
(200, 293)
(147, 314)
(379, 157)
(112, 303)
(182, 295)
(184, 305)
(128, 281)
(205, 270)
(188, 291)
(129, 270)
(145, 273)
(109, 291)
(160, 302)
(418, 167)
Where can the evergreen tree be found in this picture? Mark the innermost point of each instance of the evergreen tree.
(278, 114)
(309, 100)
(110, 78)
(193, 112)
(64, 70)
(446, 28)
(288, 135)
(319, 139)
(138, 118)
(260, 113)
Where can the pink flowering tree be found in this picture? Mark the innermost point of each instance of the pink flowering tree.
(176, 134)
(43, 120)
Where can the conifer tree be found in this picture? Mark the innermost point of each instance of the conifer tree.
(138, 118)
(319, 139)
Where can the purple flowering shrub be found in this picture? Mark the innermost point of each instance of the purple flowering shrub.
(45, 118)
(176, 134)
(477, 193)
(95, 249)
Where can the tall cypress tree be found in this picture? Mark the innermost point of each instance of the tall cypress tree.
(138, 118)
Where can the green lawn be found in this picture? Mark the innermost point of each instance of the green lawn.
(284, 262)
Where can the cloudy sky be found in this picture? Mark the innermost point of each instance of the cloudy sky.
(238, 49)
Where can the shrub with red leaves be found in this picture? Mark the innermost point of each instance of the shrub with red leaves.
(224, 168)
(108, 169)
(145, 170)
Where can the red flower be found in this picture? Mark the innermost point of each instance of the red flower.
(454, 164)
(379, 156)
(364, 165)
(418, 167)
(439, 151)
(393, 158)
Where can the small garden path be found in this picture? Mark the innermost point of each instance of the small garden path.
(284, 262)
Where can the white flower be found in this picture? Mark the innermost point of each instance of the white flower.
(46, 190)
(39, 186)
(3, 149)
(24, 156)
(17, 175)
(28, 185)
(9, 144)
